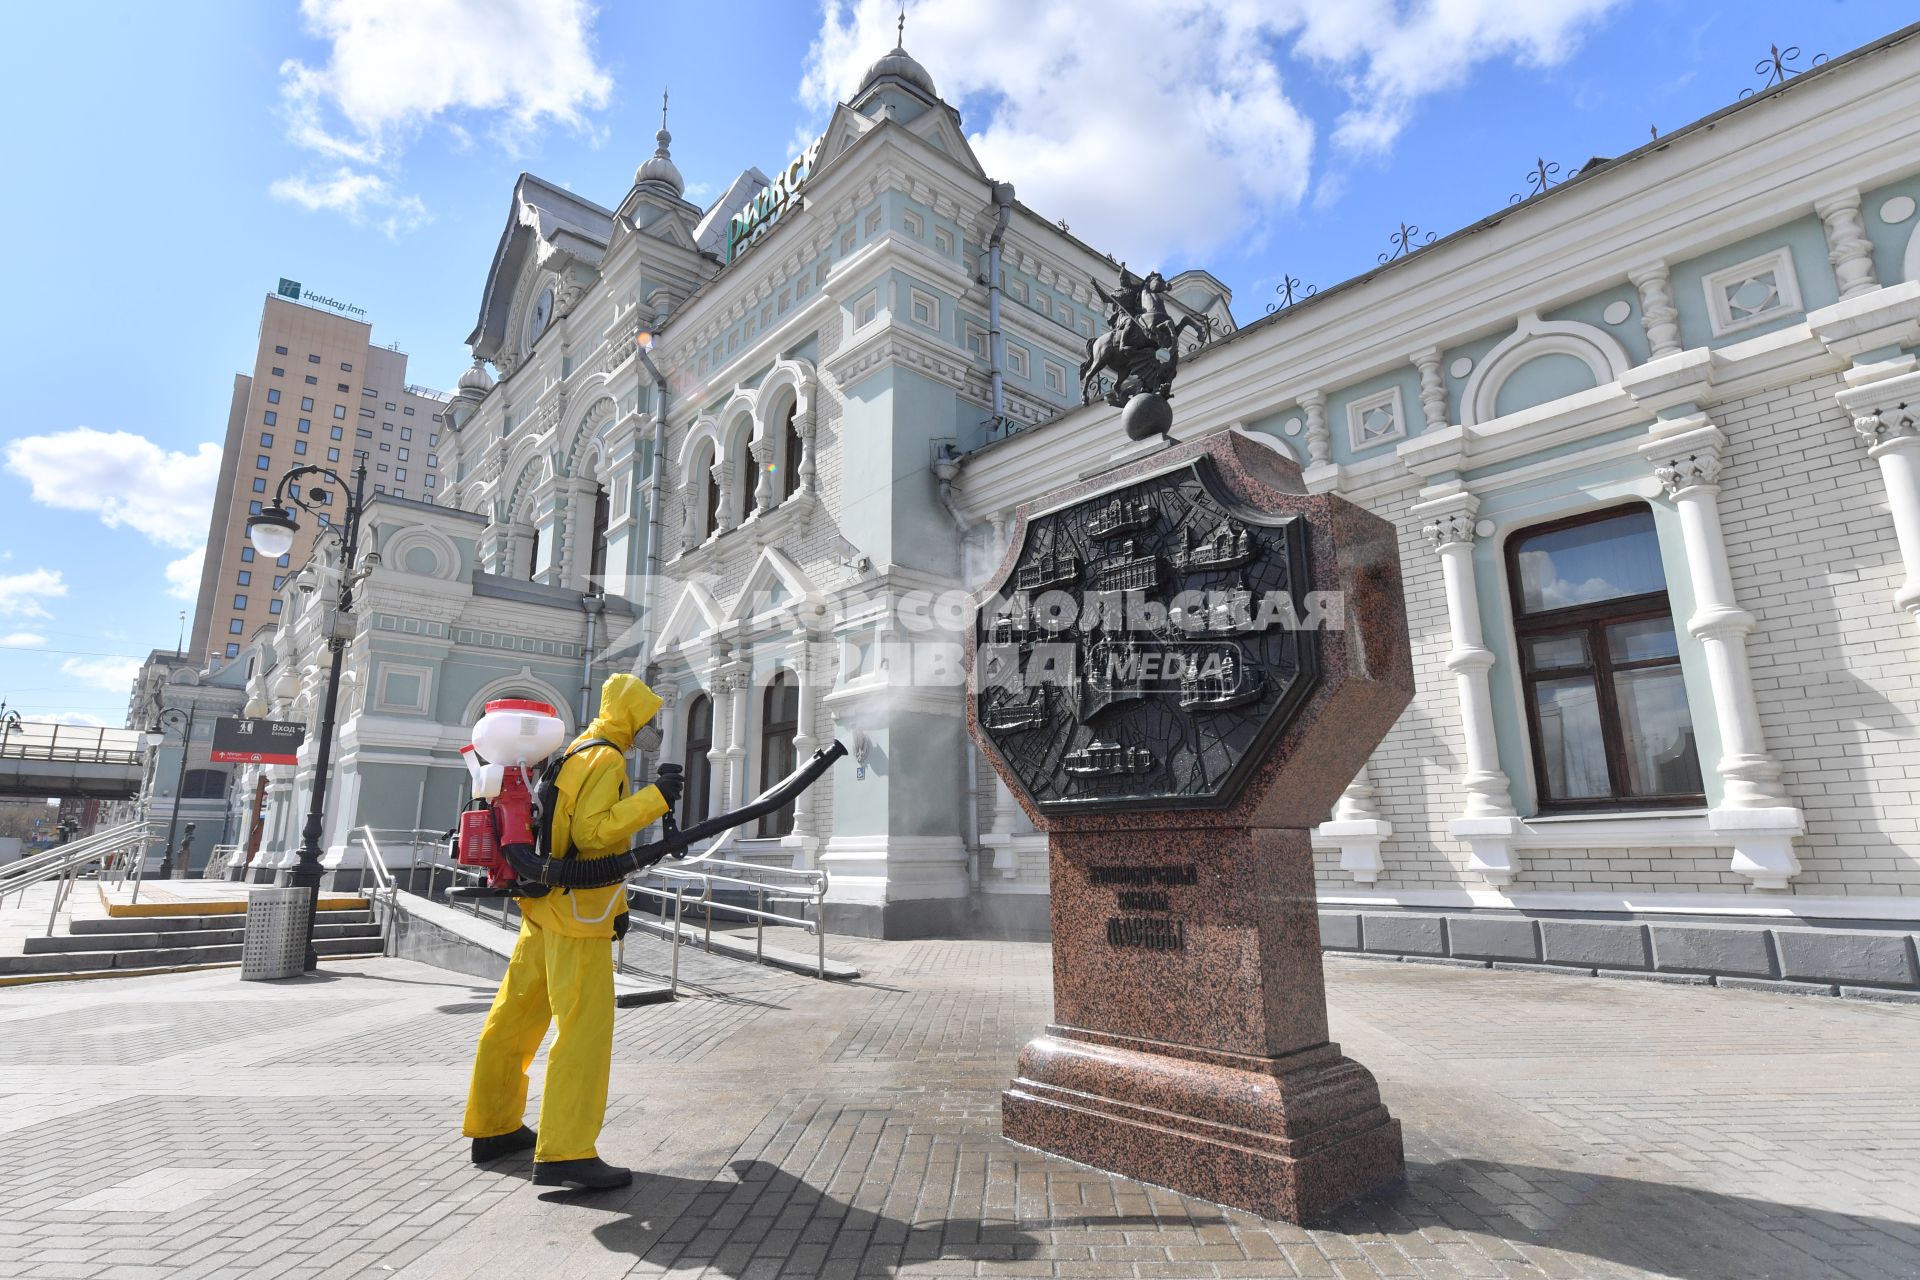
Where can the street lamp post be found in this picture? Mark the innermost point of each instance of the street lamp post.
(173, 717)
(272, 534)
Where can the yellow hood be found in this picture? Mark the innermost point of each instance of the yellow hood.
(626, 703)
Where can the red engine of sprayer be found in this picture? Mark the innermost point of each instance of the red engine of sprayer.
(506, 819)
(514, 735)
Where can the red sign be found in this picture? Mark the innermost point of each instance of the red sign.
(256, 741)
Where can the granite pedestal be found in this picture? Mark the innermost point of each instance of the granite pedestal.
(1189, 1043)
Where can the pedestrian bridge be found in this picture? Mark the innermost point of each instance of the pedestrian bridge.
(70, 761)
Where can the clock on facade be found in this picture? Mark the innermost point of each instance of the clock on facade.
(542, 312)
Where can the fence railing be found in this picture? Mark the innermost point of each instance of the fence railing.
(71, 743)
(103, 853)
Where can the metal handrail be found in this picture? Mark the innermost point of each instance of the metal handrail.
(220, 857)
(682, 876)
(383, 882)
(63, 863)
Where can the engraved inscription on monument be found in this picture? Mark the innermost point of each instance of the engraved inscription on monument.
(1147, 646)
(1146, 890)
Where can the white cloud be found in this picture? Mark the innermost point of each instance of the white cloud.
(393, 69)
(359, 197)
(1388, 59)
(183, 575)
(125, 479)
(112, 675)
(21, 593)
(22, 640)
(1170, 129)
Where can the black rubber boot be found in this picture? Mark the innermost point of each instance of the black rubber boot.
(487, 1150)
(591, 1174)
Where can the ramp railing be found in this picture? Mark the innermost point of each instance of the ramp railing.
(103, 853)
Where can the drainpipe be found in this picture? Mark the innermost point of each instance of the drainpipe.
(591, 603)
(996, 344)
(653, 503)
(946, 469)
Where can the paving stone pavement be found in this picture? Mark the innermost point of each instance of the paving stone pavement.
(191, 1125)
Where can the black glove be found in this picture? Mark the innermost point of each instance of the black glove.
(670, 786)
(621, 923)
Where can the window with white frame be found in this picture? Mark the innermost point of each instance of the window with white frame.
(1376, 419)
(866, 309)
(873, 222)
(1017, 290)
(943, 240)
(1752, 292)
(977, 340)
(1017, 358)
(1063, 314)
(914, 226)
(1056, 377)
(924, 308)
(846, 240)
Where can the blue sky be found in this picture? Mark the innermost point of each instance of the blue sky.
(172, 162)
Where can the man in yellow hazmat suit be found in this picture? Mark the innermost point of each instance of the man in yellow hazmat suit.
(562, 967)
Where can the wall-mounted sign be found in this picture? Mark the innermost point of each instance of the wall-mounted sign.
(256, 741)
(291, 289)
(759, 214)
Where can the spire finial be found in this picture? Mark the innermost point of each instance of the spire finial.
(663, 110)
(662, 137)
(900, 40)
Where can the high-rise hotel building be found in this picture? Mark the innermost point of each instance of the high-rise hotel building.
(322, 393)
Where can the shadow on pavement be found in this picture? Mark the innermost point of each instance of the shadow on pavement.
(1654, 1226)
(769, 1215)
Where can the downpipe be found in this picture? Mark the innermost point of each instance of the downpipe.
(996, 341)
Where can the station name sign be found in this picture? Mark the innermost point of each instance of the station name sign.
(759, 214)
(237, 741)
(291, 289)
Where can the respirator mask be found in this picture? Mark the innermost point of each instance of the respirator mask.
(647, 739)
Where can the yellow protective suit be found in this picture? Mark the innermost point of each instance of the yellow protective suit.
(562, 966)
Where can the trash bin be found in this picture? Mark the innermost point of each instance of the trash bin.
(275, 945)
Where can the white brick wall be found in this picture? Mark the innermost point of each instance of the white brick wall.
(1836, 667)
(1836, 673)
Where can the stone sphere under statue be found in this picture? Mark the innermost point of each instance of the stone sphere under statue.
(1147, 416)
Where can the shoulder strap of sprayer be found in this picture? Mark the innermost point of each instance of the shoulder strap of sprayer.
(550, 794)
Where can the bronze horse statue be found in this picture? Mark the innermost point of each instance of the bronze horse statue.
(1139, 329)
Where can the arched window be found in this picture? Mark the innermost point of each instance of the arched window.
(597, 557)
(697, 803)
(1606, 703)
(713, 506)
(533, 555)
(790, 463)
(779, 721)
(204, 784)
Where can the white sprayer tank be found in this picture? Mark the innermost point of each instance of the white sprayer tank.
(518, 731)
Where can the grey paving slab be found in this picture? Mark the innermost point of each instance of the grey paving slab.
(187, 1126)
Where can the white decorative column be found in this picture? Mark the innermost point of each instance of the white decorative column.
(805, 829)
(1658, 316)
(739, 681)
(1883, 400)
(1848, 248)
(1433, 389)
(1319, 441)
(723, 480)
(805, 426)
(1754, 809)
(764, 497)
(1357, 830)
(1489, 826)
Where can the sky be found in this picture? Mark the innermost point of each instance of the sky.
(172, 162)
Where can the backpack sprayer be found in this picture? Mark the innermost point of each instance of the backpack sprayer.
(507, 830)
